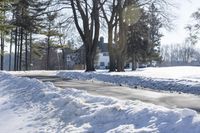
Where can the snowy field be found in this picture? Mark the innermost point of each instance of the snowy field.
(30, 106)
(179, 79)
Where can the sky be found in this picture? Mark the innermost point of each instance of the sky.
(183, 11)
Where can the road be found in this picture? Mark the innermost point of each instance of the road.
(167, 99)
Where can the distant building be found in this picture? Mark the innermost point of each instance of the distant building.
(103, 55)
(76, 59)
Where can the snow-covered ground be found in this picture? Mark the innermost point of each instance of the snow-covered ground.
(28, 105)
(180, 79)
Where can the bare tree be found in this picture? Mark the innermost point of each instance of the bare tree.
(88, 27)
(109, 10)
(196, 16)
(128, 14)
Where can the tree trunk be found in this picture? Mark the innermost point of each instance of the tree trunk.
(2, 51)
(120, 63)
(89, 64)
(48, 52)
(30, 54)
(122, 41)
(18, 49)
(112, 65)
(111, 50)
(10, 55)
(21, 48)
(134, 63)
(26, 51)
(90, 61)
(15, 60)
(63, 58)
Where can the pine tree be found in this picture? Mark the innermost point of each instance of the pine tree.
(50, 31)
(4, 26)
(27, 19)
(154, 33)
(144, 38)
(138, 42)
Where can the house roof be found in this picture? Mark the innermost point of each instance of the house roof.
(103, 47)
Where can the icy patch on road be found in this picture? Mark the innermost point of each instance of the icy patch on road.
(28, 105)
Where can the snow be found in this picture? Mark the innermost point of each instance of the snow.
(179, 79)
(29, 105)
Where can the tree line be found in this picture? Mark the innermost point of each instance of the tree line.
(186, 53)
(132, 28)
(19, 20)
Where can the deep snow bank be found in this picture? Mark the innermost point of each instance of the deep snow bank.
(179, 79)
(28, 105)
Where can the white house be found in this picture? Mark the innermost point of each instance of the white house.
(103, 56)
(77, 57)
(103, 61)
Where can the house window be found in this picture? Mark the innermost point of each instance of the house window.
(102, 64)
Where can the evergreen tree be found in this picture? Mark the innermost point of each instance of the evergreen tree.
(28, 17)
(4, 26)
(154, 33)
(138, 42)
(50, 31)
(144, 38)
